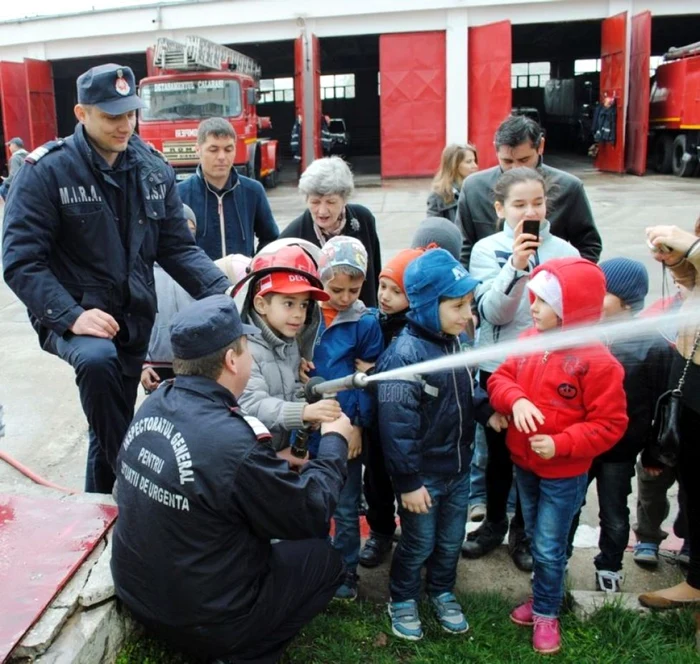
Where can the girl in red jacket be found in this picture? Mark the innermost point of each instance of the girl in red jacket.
(567, 407)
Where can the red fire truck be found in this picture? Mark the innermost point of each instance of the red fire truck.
(199, 79)
(674, 118)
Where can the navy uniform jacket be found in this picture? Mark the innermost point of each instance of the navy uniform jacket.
(66, 249)
(201, 493)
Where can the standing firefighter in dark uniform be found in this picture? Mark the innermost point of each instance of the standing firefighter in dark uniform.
(89, 217)
(201, 493)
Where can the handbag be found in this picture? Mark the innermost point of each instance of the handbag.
(666, 435)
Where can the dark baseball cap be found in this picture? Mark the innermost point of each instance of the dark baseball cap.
(206, 326)
(112, 88)
(16, 141)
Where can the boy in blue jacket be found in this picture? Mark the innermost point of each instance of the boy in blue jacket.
(348, 332)
(426, 426)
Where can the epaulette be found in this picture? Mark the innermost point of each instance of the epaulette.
(43, 150)
(157, 152)
(259, 429)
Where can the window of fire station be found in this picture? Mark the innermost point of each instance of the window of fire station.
(530, 74)
(180, 100)
(338, 86)
(276, 90)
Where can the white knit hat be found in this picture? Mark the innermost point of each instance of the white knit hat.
(547, 287)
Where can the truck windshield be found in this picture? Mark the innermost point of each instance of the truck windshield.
(180, 100)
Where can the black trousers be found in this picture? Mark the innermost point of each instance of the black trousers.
(107, 397)
(301, 582)
(379, 491)
(688, 471)
(499, 474)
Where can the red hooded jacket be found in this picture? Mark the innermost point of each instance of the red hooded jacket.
(579, 391)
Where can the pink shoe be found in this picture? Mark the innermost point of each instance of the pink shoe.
(522, 615)
(546, 638)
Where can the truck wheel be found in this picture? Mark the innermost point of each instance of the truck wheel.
(683, 168)
(663, 154)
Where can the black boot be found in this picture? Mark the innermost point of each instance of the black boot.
(485, 539)
(375, 550)
(519, 549)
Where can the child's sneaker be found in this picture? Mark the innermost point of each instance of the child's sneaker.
(449, 613)
(405, 621)
(522, 615)
(348, 590)
(546, 638)
(646, 554)
(607, 581)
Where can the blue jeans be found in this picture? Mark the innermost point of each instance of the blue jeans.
(477, 472)
(433, 539)
(549, 507)
(347, 517)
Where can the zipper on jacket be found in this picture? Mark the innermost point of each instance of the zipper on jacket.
(222, 224)
(459, 409)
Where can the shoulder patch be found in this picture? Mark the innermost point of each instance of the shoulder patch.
(43, 150)
(259, 429)
(157, 152)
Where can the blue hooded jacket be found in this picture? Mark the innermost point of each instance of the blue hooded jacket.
(427, 425)
(240, 209)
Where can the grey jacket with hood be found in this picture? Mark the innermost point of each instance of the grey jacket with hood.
(501, 297)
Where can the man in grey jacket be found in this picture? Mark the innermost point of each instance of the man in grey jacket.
(16, 148)
(520, 141)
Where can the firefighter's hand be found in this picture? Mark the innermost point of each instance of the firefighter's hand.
(294, 462)
(325, 410)
(418, 501)
(526, 416)
(149, 379)
(95, 323)
(304, 368)
(355, 443)
(341, 425)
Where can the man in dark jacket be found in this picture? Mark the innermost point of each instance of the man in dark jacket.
(88, 218)
(520, 142)
(201, 493)
(231, 209)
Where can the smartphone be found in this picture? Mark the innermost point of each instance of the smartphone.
(532, 227)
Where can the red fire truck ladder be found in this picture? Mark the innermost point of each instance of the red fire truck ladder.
(198, 54)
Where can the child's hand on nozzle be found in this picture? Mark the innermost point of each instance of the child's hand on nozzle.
(341, 425)
(526, 416)
(497, 422)
(149, 379)
(304, 367)
(418, 501)
(363, 367)
(543, 446)
(355, 443)
(325, 410)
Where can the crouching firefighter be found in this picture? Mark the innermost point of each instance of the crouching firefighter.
(201, 493)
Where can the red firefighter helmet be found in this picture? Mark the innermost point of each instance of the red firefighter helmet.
(288, 255)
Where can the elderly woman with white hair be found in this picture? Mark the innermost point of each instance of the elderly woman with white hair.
(327, 184)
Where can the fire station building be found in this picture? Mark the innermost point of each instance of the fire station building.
(406, 77)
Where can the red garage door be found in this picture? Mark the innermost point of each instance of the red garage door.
(612, 83)
(412, 103)
(13, 98)
(490, 94)
(307, 92)
(40, 102)
(638, 109)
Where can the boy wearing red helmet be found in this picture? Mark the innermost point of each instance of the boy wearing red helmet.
(281, 301)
